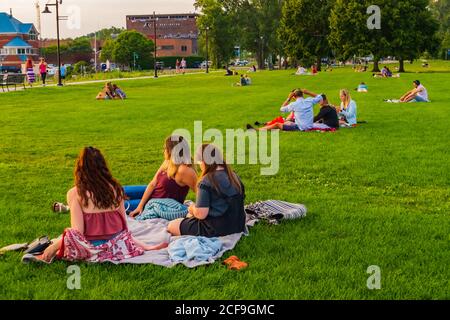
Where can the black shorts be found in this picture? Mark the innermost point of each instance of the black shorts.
(211, 227)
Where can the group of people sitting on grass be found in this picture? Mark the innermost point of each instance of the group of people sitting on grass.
(301, 109)
(386, 73)
(111, 91)
(97, 202)
(302, 71)
(244, 80)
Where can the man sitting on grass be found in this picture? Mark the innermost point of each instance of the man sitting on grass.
(418, 94)
(327, 117)
(303, 112)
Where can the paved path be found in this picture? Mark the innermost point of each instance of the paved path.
(110, 80)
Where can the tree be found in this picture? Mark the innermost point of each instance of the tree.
(406, 29)
(133, 49)
(413, 30)
(258, 22)
(221, 33)
(350, 34)
(441, 11)
(107, 50)
(305, 29)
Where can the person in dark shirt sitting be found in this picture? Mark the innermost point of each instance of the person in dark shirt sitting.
(327, 118)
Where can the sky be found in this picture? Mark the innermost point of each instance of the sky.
(86, 16)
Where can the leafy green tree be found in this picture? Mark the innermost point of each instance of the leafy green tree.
(258, 22)
(441, 11)
(107, 50)
(133, 49)
(305, 29)
(221, 33)
(412, 30)
(350, 34)
(406, 30)
(80, 45)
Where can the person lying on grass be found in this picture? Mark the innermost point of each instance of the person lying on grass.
(219, 209)
(175, 176)
(96, 204)
(347, 110)
(301, 107)
(418, 94)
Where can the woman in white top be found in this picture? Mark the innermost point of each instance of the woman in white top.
(418, 94)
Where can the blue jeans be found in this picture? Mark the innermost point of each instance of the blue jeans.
(135, 194)
(419, 99)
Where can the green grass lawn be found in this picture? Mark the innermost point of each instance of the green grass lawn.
(377, 194)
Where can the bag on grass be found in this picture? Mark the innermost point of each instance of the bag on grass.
(274, 211)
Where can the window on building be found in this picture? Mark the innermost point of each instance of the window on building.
(184, 48)
(33, 35)
(21, 51)
(167, 47)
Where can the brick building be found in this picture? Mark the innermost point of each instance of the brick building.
(18, 41)
(176, 34)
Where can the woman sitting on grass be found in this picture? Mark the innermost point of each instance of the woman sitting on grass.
(347, 111)
(107, 93)
(172, 180)
(219, 210)
(118, 93)
(97, 215)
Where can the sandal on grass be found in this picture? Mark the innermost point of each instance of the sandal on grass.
(59, 207)
(27, 258)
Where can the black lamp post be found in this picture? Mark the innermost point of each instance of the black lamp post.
(207, 58)
(147, 25)
(58, 18)
(154, 29)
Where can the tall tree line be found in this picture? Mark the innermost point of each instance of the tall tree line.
(308, 30)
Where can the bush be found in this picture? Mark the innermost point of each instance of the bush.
(191, 61)
(82, 67)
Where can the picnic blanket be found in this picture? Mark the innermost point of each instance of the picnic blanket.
(194, 248)
(168, 209)
(153, 232)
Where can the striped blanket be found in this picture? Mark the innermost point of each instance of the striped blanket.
(75, 247)
(168, 209)
(274, 211)
(31, 76)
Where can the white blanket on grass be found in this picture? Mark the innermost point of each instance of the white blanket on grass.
(154, 232)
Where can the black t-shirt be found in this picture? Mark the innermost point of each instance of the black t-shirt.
(329, 116)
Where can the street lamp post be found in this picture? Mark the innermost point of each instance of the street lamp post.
(154, 29)
(155, 48)
(58, 18)
(263, 65)
(207, 58)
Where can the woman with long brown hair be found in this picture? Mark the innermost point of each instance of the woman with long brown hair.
(219, 209)
(31, 76)
(173, 179)
(96, 202)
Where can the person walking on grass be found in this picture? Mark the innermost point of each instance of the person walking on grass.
(219, 208)
(31, 76)
(43, 71)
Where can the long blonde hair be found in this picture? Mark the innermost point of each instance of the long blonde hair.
(347, 99)
(177, 153)
(212, 157)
